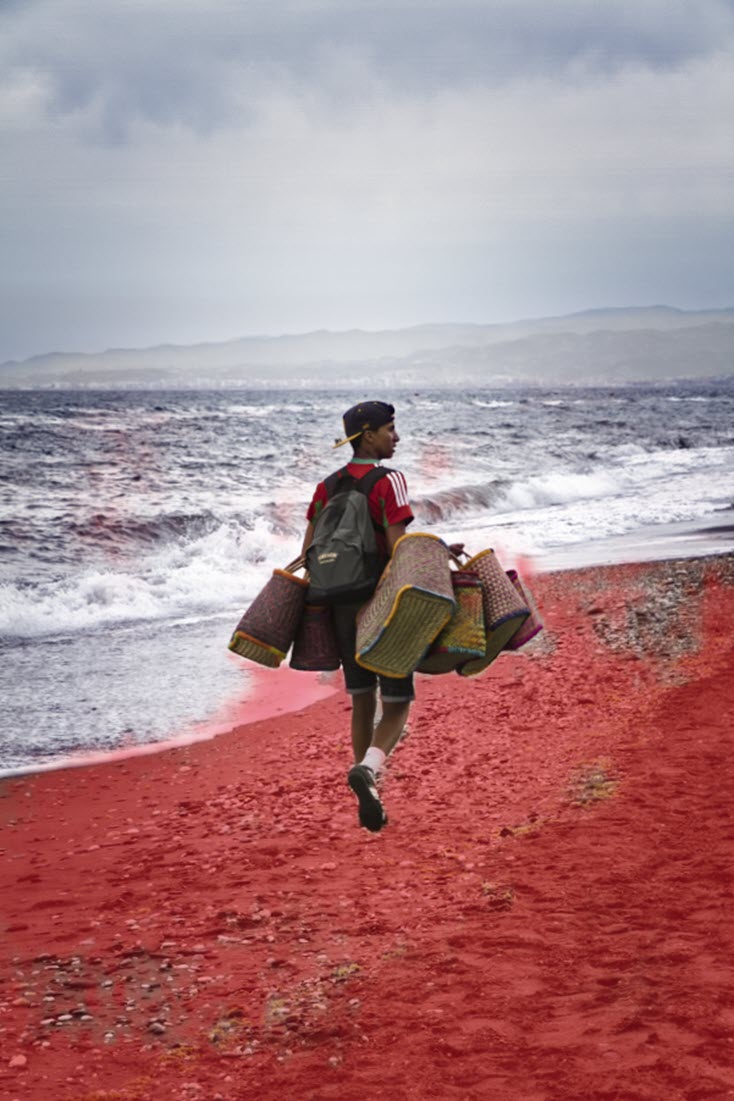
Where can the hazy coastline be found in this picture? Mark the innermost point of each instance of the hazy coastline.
(594, 347)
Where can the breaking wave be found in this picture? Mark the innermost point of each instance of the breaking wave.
(221, 570)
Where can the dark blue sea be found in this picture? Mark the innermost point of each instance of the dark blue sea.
(135, 527)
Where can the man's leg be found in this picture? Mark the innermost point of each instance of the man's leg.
(390, 726)
(360, 683)
(362, 776)
(368, 759)
(364, 707)
(370, 746)
(386, 735)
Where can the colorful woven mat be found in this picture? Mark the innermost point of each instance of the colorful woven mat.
(464, 636)
(411, 604)
(533, 624)
(504, 610)
(267, 629)
(315, 648)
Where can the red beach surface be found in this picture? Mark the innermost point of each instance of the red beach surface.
(547, 916)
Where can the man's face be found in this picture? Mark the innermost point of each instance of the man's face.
(384, 440)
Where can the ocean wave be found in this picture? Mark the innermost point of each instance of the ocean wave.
(558, 488)
(223, 569)
(496, 403)
(192, 565)
(189, 525)
(691, 397)
(501, 495)
(118, 530)
(447, 504)
(662, 461)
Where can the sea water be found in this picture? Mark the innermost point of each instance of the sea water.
(135, 527)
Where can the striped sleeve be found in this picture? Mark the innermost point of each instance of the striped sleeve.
(393, 490)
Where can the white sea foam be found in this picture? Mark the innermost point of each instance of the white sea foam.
(221, 570)
(656, 463)
(691, 397)
(494, 404)
(557, 510)
(557, 488)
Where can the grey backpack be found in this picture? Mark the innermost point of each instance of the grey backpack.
(343, 562)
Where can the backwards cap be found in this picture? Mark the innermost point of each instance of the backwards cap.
(368, 414)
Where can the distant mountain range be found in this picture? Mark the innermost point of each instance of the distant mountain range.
(613, 346)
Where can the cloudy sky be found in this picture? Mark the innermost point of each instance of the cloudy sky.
(192, 170)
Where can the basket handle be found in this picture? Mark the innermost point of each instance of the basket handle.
(296, 564)
(456, 558)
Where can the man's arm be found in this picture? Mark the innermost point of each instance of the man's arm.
(393, 533)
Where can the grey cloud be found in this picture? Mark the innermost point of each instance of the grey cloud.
(181, 171)
(208, 67)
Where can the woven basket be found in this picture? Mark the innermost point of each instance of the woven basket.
(413, 601)
(268, 627)
(315, 648)
(504, 610)
(464, 636)
(533, 624)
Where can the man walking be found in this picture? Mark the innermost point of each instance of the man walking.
(370, 429)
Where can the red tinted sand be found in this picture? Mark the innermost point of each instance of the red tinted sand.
(547, 916)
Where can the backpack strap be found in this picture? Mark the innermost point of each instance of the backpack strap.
(365, 484)
(332, 482)
(369, 480)
(343, 479)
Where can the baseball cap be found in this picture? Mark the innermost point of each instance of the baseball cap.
(368, 414)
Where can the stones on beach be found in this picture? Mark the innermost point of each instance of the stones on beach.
(80, 984)
(657, 618)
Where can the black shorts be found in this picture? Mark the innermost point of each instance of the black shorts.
(356, 678)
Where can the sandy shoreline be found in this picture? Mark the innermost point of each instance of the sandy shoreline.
(270, 694)
(547, 915)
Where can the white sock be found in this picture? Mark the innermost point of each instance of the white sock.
(374, 759)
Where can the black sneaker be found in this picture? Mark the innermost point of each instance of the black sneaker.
(371, 812)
